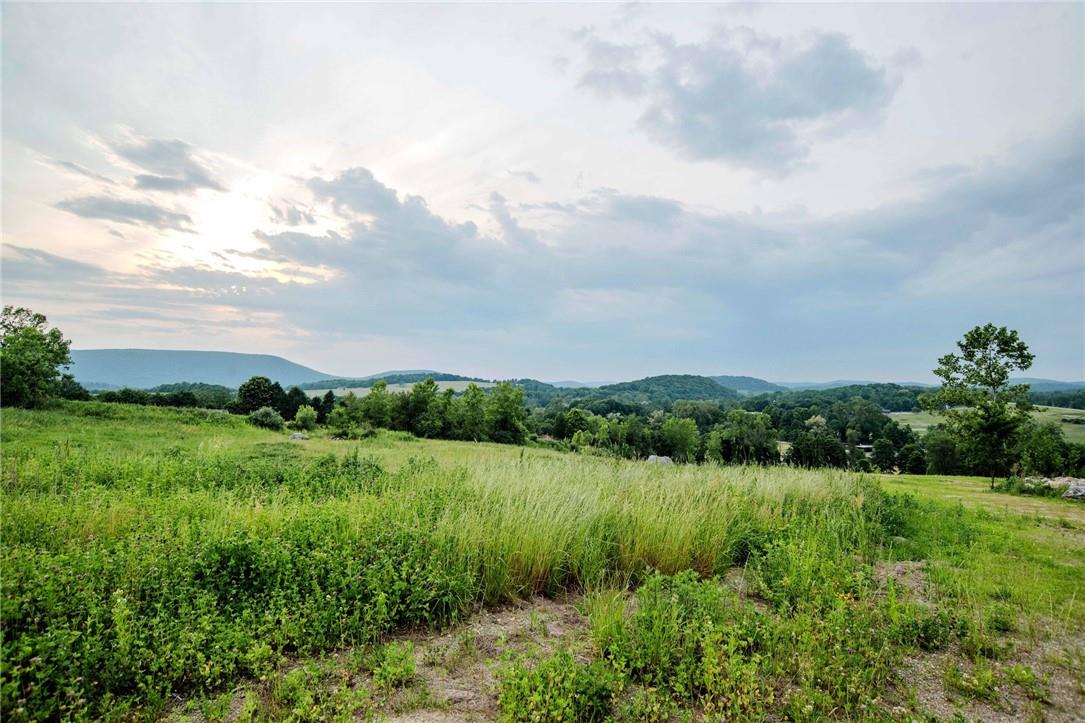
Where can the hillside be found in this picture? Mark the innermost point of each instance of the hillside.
(747, 385)
(667, 388)
(145, 368)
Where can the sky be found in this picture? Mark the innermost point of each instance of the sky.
(594, 192)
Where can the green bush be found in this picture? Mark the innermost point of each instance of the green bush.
(267, 418)
(305, 418)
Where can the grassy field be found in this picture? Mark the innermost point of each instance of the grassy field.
(183, 565)
(922, 421)
(457, 386)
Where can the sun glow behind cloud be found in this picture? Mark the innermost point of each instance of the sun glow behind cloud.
(668, 197)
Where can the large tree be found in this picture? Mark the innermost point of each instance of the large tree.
(977, 399)
(31, 358)
(258, 392)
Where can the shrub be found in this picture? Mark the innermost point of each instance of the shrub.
(267, 418)
(305, 418)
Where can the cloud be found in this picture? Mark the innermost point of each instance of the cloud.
(511, 231)
(751, 100)
(527, 175)
(289, 214)
(29, 264)
(171, 166)
(138, 213)
(638, 272)
(79, 170)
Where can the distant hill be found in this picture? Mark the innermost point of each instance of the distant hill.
(573, 384)
(667, 388)
(146, 368)
(1048, 385)
(748, 385)
(404, 377)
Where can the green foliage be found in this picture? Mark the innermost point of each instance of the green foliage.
(745, 438)
(395, 665)
(137, 570)
(556, 689)
(266, 418)
(977, 399)
(680, 439)
(505, 414)
(31, 357)
(883, 456)
(258, 392)
(305, 418)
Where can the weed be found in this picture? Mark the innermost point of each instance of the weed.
(395, 666)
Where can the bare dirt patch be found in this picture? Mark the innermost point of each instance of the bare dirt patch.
(457, 667)
(1040, 681)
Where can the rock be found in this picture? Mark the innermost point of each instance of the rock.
(1075, 492)
(299, 435)
(656, 459)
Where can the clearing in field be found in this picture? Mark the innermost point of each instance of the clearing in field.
(185, 565)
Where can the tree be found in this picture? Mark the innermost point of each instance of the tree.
(258, 392)
(31, 358)
(680, 439)
(883, 456)
(1043, 449)
(744, 438)
(292, 401)
(471, 419)
(943, 453)
(977, 399)
(424, 417)
(817, 446)
(377, 405)
(506, 414)
(68, 388)
(325, 407)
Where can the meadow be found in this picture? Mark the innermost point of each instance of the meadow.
(182, 564)
(1074, 431)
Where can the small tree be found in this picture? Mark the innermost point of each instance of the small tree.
(31, 358)
(305, 418)
(267, 418)
(977, 399)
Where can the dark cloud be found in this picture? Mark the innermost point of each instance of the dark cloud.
(739, 97)
(138, 213)
(171, 165)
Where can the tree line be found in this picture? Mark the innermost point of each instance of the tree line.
(985, 427)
